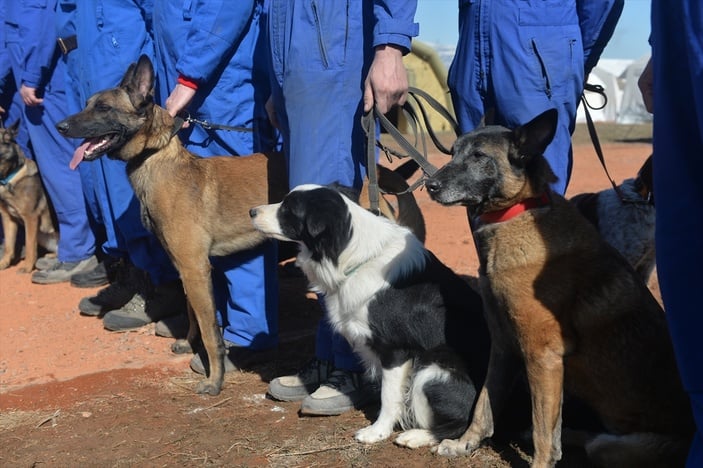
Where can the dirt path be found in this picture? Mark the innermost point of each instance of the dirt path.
(73, 394)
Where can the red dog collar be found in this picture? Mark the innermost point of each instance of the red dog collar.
(512, 211)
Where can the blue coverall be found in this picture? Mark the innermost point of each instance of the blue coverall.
(217, 45)
(520, 58)
(320, 54)
(677, 58)
(112, 34)
(30, 38)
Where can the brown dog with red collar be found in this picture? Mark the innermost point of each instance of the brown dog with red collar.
(23, 202)
(562, 305)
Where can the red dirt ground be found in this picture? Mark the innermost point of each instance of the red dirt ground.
(73, 394)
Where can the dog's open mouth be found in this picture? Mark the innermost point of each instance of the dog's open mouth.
(91, 148)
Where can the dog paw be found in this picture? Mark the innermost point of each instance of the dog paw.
(181, 347)
(372, 434)
(4, 264)
(207, 387)
(23, 267)
(451, 448)
(415, 438)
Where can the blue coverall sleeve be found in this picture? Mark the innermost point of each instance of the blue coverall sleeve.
(39, 47)
(395, 22)
(597, 19)
(216, 28)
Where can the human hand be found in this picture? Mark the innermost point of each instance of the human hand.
(179, 99)
(646, 85)
(29, 96)
(387, 82)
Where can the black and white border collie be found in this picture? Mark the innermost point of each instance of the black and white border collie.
(417, 325)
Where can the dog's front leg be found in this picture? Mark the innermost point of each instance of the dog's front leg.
(31, 232)
(394, 382)
(545, 375)
(499, 381)
(187, 345)
(198, 287)
(9, 227)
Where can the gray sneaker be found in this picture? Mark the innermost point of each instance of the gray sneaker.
(46, 262)
(61, 272)
(146, 307)
(341, 392)
(300, 385)
(175, 326)
(128, 282)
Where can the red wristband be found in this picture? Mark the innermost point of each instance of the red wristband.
(192, 84)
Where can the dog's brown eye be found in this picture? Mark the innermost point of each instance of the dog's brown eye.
(102, 107)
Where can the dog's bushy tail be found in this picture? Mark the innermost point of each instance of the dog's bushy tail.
(638, 450)
(395, 182)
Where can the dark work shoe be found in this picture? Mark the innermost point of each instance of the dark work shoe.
(61, 272)
(298, 386)
(343, 391)
(147, 307)
(175, 326)
(101, 275)
(128, 282)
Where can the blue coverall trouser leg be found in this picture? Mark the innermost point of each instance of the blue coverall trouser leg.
(320, 90)
(677, 53)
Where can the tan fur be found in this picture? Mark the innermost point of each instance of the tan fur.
(560, 302)
(23, 201)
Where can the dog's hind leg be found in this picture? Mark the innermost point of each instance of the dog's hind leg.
(394, 383)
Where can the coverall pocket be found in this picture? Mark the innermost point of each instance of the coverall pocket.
(35, 3)
(554, 61)
(331, 24)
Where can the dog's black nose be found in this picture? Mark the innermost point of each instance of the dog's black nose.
(433, 185)
(62, 127)
(252, 213)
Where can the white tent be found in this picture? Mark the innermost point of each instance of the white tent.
(624, 100)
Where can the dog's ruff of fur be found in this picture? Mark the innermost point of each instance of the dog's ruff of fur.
(356, 260)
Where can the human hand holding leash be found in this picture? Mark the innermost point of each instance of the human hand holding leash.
(178, 100)
(387, 82)
(29, 96)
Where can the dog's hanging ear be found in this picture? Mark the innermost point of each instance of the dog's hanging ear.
(532, 138)
(139, 82)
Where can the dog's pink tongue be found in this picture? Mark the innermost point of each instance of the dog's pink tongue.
(78, 155)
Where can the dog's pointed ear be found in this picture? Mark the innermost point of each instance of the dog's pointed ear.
(139, 82)
(532, 138)
(14, 129)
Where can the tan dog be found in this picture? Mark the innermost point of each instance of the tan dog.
(197, 207)
(561, 302)
(23, 201)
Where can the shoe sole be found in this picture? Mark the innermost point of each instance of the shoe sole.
(90, 284)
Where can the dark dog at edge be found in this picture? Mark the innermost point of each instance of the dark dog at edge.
(562, 303)
(23, 201)
(197, 207)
